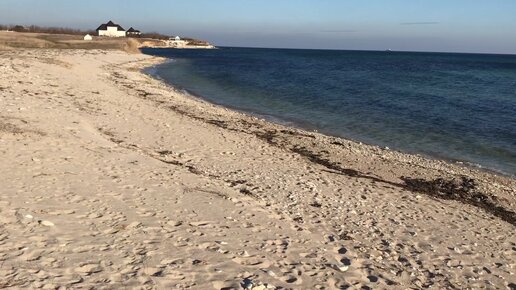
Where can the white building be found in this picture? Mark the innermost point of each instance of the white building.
(176, 42)
(111, 29)
(88, 37)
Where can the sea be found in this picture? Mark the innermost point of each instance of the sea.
(457, 107)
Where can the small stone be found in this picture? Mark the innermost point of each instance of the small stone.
(134, 225)
(174, 223)
(29, 216)
(152, 271)
(200, 224)
(111, 231)
(89, 269)
(46, 223)
(68, 280)
(343, 268)
(94, 215)
(247, 284)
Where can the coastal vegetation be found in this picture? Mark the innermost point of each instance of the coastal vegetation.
(48, 30)
(9, 40)
(146, 37)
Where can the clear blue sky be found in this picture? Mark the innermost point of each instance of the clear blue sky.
(420, 25)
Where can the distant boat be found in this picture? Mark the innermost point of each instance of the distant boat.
(388, 50)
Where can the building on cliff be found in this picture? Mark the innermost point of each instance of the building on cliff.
(111, 29)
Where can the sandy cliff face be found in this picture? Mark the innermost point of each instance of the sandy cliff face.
(111, 179)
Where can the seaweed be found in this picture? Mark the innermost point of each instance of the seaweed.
(463, 190)
(218, 123)
(246, 192)
(234, 183)
(268, 136)
(317, 158)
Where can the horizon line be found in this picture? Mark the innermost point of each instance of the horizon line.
(367, 50)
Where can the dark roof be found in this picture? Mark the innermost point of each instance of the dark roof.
(110, 24)
(132, 30)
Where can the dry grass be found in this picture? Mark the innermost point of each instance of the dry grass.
(131, 46)
(10, 40)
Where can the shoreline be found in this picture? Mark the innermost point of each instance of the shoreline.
(297, 124)
(131, 183)
(448, 169)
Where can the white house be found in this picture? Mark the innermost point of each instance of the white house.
(176, 42)
(111, 29)
(88, 37)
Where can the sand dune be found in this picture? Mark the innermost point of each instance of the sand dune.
(111, 179)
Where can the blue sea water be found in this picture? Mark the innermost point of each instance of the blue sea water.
(450, 106)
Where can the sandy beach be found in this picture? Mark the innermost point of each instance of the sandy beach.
(111, 179)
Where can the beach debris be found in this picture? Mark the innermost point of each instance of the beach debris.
(318, 159)
(340, 267)
(247, 283)
(198, 262)
(269, 272)
(463, 190)
(245, 191)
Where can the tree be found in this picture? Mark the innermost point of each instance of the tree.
(19, 28)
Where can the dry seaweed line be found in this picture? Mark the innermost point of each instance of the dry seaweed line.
(463, 190)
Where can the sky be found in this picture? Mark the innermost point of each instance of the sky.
(487, 26)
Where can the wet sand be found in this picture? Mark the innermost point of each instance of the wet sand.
(112, 179)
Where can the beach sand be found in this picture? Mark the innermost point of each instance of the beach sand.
(111, 179)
